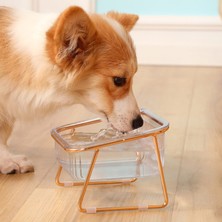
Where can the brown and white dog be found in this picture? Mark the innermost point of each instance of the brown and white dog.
(48, 61)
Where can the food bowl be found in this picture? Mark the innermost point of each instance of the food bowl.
(123, 156)
(107, 157)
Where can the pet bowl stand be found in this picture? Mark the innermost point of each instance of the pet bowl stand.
(152, 133)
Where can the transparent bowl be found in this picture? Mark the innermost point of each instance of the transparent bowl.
(126, 156)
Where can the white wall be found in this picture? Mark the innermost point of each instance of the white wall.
(27, 4)
(159, 40)
(179, 41)
(46, 5)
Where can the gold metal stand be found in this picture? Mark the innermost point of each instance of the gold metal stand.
(88, 181)
(102, 209)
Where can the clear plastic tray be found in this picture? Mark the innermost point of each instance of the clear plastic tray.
(127, 156)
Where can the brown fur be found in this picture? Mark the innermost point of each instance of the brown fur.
(9, 57)
(78, 57)
(92, 48)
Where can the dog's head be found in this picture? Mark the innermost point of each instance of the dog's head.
(97, 60)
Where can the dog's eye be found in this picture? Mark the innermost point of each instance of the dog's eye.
(119, 81)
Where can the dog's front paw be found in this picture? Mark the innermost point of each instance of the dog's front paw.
(15, 164)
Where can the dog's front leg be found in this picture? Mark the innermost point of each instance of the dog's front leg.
(10, 163)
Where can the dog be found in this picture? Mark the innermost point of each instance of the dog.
(48, 61)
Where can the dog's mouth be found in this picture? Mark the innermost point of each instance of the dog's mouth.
(110, 124)
(108, 120)
(106, 116)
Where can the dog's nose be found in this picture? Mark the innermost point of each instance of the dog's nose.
(138, 122)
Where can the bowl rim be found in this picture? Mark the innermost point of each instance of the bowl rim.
(56, 133)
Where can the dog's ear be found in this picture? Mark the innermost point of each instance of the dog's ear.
(126, 20)
(71, 36)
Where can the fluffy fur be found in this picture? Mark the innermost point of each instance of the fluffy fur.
(48, 61)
